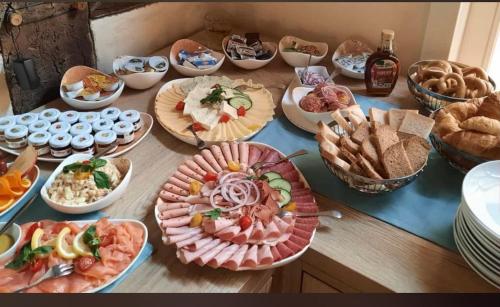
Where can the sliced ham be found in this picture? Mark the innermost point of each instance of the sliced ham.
(281, 168)
(168, 196)
(235, 260)
(206, 257)
(243, 236)
(209, 157)
(305, 227)
(219, 156)
(302, 233)
(168, 214)
(300, 192)
(258, 231)
(243, 149)
(272, 156)
(282, 225)
(176, 221)
(196, 167)
(284, 250)
(178, 182)
(228, 233)
(308, 220)
(304, 199)
(265, 153)
(264, 255)
(175, 189)
(276, 253)
(271, 231)
(298, 240)
(254, 155)
(213, 226)
(234, 152)
(163, 206)
(226, 150)
(297, 185)
(310, 209)
(204, 164)
(293, 246)
(176, 230)
(250, 259)
(184, 169)
(197, 200)
(197, 244)
(201, 208)
(183, 236)
(186, 256)
(223, 256)
(291, 176)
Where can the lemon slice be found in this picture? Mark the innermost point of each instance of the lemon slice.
(62, 247)
(80, 247)
(36, 238)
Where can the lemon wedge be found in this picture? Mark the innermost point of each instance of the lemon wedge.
(62, 247)
(80, 247)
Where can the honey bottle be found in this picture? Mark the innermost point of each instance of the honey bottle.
(382, 67)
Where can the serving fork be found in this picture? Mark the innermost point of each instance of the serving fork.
(199, 142)
(260, 164)
(58, 270)
(331, 213)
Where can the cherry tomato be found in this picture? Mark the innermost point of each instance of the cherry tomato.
(224, 118)
(180, 106)
(84, 263)
(241, 111)
(31, 230)
(85, 162)
(198, 127)
(245, 222)
(36, 265)
(209, 176)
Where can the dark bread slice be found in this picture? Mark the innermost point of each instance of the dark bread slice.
(348, 155)
(385, 137)
(396, 162)
(357, 169)
(417, 149)
(361, 133)
(368, 168)
(346, 142)
(369, 151)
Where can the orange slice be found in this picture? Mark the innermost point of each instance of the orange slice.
(26, 183)
(5, 203)
(6, 191)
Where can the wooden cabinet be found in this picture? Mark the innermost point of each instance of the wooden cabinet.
(311, 284)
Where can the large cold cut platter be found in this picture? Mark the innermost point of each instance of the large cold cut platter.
(218, 211)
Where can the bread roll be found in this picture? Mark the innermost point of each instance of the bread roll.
(461, 110)
(490, 106)
(446, 124)
(482, 124)
(475, 143)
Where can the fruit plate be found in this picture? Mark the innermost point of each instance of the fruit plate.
(301, 180)
(33, 175)
(147, 121)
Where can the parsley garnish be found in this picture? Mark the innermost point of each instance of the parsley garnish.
(92, 240)
(213, 214)
(215, 96)
(27, 255)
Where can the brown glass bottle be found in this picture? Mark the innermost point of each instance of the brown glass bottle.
(382, 67)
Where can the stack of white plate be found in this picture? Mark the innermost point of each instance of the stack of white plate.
(477, 224)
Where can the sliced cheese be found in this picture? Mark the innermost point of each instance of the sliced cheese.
(226, 108)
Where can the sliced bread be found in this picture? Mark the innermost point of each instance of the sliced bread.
(348, 155)
(326, 133)
(368, 168)
(341, 121)
(396, 117)
(341, 163)
(328, 149)
(396, 162)
(385, 137)
(355, 120)
(417, 149)
(346, 142)
(369, 151)
(355, 109)
(416, 124)
(361, 133)
(357, 169)
(377, 115)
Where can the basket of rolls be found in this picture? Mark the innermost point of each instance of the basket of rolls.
(468, 133)
(437, 83)
(379, 153)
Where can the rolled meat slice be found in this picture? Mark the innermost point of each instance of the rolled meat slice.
(219, 156)
(184, 169)
(176, 221)
(165, 195)
(168, 214)
(234, 262)
(223, 256)
(186, 256)
(276, 253)
(284, 250)
(304, 199)
(183, 236)
(183, 177)
(305, 227)
(282, 225)
(206, 257)
(201, 208)
(213, 226)
(164, 206)
(298, 240)
(177, 230)
(197, 200)
(243, 150)
(199, 243)
(196, 167)
(228, 233)
(293, 246)
(258, 231)
(177, 182)
(308, 220)
(297, 185)
(250, 259)
(234, 152)
(264, 155)
(204, 164)
(301, 233)
(253, 155)
(272, 156)
(281, 168)
(209, 157)
(264, 255)
(175, 189)
(307, 209)
(301, 192)
(291, 176)
(226, 150)
(271, 231)
(243, 236)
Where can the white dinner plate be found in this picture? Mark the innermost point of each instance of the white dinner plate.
(486, 239)
(34, 176)
(292, 112)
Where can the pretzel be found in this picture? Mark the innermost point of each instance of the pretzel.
(476, 86)
(441, 65)
(427, 74)
(476, 71)
(458, 90)
(431, 84)
(456, 69)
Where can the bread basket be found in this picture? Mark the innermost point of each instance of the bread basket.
(432, 101)
(459, 159)
(365, 184)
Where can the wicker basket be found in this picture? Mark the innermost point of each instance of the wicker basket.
(432, 101)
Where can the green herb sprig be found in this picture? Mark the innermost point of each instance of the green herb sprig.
(101, 179)
(213, 214)
(92, 240)
(27, 255)
(215, 96)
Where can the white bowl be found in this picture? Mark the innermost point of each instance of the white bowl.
(314, 117)
(251, 64)
(298, 59)
(317, 69)
(78, 73)
(139, 80)
(97, 205)
(15, 232)
(191, 46)
(350, 46)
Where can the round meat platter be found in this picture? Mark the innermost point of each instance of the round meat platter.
(218, 211)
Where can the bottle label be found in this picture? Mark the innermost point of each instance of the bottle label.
(383, 73)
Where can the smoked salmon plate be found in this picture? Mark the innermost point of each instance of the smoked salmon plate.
(101, 252)
(219, 211)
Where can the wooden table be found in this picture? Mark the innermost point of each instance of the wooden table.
(356, 254)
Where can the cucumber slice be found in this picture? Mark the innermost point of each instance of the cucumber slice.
(271, 176)
(286, 197)
(280, 183)
(240, 101)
